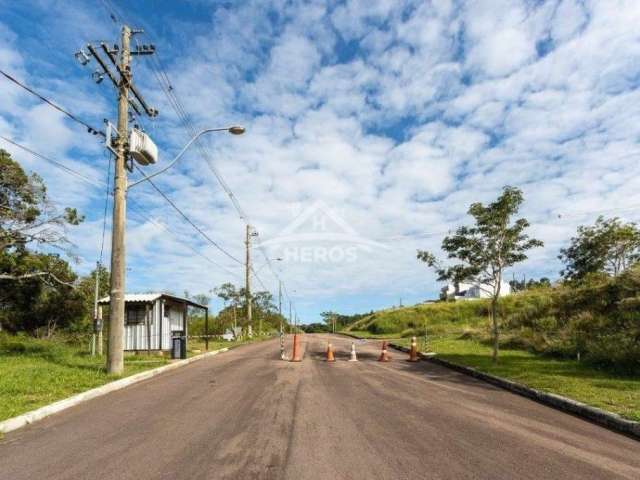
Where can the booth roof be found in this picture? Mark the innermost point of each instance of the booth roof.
(152, 297)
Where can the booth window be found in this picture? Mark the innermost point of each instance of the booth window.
(135, 314)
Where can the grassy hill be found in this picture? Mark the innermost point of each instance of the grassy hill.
(439, 318)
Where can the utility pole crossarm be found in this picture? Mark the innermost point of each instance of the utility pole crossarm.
(106, 70)
(149, 111)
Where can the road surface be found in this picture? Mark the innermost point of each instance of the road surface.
(245, 414)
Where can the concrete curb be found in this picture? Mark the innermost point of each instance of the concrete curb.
(346, 334)
(33, 416)
(603, 418)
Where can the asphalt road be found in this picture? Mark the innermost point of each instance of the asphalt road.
(246, 414)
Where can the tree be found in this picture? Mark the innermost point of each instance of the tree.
(522, 285)
(486, 249)
(609, 246)
(201, 298)
(32, 303)
(315, 328)
(330, 319)
(27, 217)
(261, 303)
(86, 288)
(228, 293)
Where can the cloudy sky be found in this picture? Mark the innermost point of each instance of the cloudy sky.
(371, 127)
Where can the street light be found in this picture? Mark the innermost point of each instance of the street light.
(234, 130)
(278, 259)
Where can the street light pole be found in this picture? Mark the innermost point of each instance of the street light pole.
(235, 130)
(280, 303)
(247, 286)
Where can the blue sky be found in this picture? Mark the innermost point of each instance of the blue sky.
(380, 121)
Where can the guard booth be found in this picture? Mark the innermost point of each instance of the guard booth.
(153, 320)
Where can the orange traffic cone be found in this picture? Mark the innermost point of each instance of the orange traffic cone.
(384, 355)
(297, 354)
(330, 357)
(413, 353)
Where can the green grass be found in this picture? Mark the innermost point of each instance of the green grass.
(367, 334)
(600, 388)
(36, 372)
(407, 321)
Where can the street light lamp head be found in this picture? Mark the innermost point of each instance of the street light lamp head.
(236, 130)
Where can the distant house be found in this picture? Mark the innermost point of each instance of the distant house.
(474, 290)
(152, 319)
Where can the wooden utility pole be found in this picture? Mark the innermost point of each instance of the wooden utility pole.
(247, 287)
(235, 323)
(115, 354)
(99, 341)
(280, 303)
(120, 58)
(96, 321)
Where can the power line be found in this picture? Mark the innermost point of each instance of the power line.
(106, 205)
(184, 244)
(54, 162)
(95, 131)
(184, 215)
(89, 128)
(138, 209)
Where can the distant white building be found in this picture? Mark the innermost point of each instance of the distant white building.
(232, 334)
(473, 290)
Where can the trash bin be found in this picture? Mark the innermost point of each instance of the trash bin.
(183, 347)
(176, 347)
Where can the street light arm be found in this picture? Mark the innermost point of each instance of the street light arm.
(175, 160)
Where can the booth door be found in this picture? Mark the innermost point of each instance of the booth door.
(175, 318)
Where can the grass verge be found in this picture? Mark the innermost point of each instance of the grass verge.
(617, 393)
(35, 372)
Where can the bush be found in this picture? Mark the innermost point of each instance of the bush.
(383, 325)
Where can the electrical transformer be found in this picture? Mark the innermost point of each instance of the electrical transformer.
(142, 148)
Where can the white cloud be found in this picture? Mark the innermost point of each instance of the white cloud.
(398, 115)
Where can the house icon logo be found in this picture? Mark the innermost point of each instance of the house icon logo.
(318, 234)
